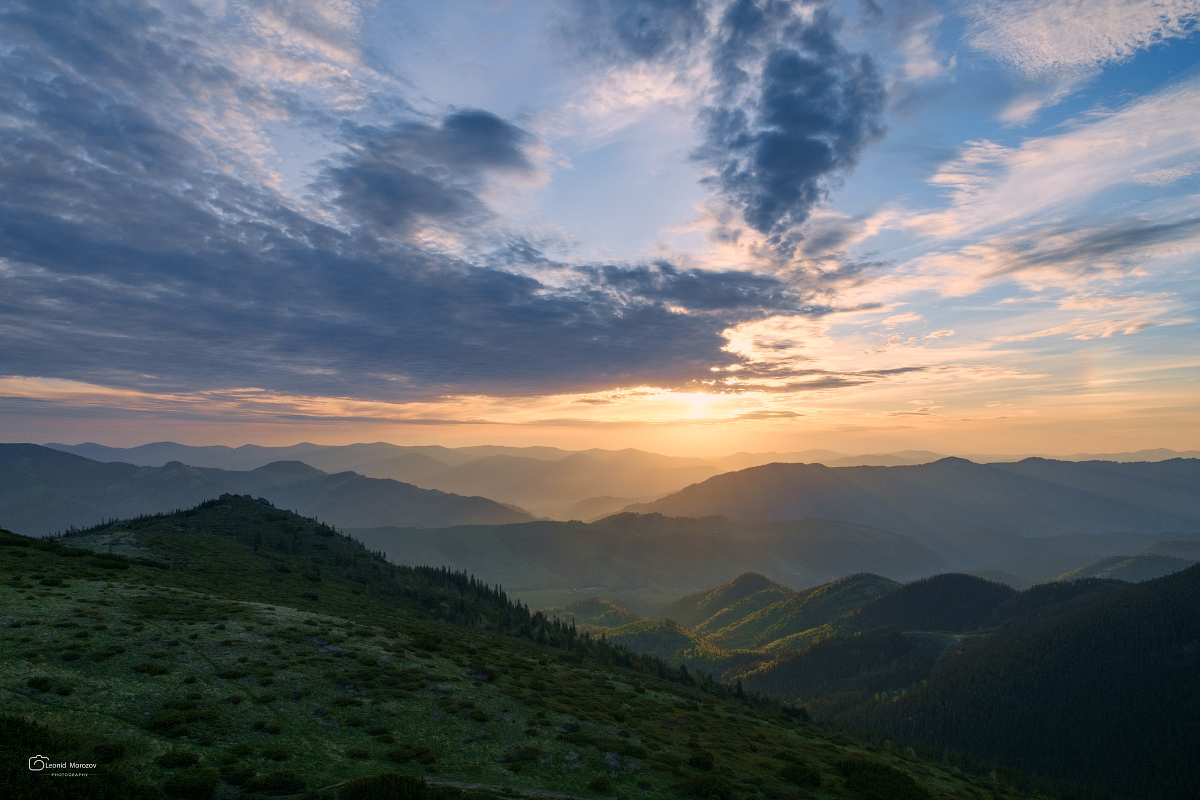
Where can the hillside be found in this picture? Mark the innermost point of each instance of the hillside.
(802, 612)
(956, 506)
(592, 612)
(631, 551)
(237, 648)
(1142, 567)
(1102, 689)
(695, 609)
(44, 490)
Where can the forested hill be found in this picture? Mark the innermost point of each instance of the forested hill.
(238, 650)
(1103, 689)
(939, 501)
(44, 490)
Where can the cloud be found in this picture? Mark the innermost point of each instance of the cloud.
(899, 319)
(1040, 37)
(134, 253)
(997, 187)
(413, 172)
(620, 31)
(792, 112)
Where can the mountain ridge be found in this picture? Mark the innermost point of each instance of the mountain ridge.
(44, 490)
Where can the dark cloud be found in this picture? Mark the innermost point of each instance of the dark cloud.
(621, 31)
(132, 254)
(794, 112)
(398, 176)
(1091, 249)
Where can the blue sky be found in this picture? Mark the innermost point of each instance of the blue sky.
(681, 225)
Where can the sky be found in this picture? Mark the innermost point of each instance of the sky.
(684, 226)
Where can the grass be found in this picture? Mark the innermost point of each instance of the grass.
(202, 670)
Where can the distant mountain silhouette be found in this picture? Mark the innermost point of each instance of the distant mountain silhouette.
(628, 551)
(44, 490)
(955, 505)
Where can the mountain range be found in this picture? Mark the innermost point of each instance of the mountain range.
(44, 490)
(961, 509)
(548, 481)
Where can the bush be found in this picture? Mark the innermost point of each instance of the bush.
(177, 758)
(237, 774)
(40, 683)
(701, 760)
(275, 753)
(150, 668)
(281, 781)
(870, 780)
(358, 752)
(801, 775)
(193, 783)
(384, 786)
(108, 752)
(599, 783)
(413, 752)
(707, 786)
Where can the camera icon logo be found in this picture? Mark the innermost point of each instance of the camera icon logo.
(38, 763)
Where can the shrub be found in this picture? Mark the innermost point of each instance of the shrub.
(479, 715)
(177, 758)
(150, 668)
(599, 783)
(358, 752)
(377, 730)
(870, 780)
(237, 774)
(193, 783)
(275, 753)
(707, 786)
(701, 760)
(413, 752)
(281, 781)
(40, 683)
(801, 775)
(385, 785)
(108, 752)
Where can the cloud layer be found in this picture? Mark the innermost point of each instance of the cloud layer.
(135, 255)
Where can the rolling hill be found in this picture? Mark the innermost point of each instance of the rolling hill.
(695, 609)
(44, 490)
(800, 612)
(235, 649)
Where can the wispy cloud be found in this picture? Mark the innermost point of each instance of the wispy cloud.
(1039, 37)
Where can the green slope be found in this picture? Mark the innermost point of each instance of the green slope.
(694, 609)
(661, 638)
(740, 609)
(238, 648)
(592, 613)
(803, 611)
